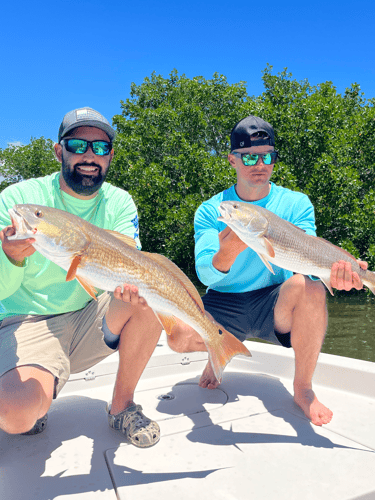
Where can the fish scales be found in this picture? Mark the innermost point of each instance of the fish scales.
(115, 263)
(294, 248)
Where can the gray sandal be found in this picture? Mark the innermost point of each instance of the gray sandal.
(132, 423)
(39, 426)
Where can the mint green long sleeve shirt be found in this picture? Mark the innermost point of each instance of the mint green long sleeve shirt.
(39, 287)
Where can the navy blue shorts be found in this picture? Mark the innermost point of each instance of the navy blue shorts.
(247, 314)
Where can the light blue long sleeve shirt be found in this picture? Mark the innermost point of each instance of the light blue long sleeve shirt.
(248, 271)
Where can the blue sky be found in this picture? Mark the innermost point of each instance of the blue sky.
(57, 56)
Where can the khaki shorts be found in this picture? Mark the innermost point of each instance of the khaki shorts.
(62, 344)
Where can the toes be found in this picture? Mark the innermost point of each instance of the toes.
(322, 417)
(212, 385)
(203, 384)
(208, 383)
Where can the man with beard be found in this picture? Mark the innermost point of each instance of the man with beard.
(50, 328)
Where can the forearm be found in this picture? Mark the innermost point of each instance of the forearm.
(223, 261)
(207, 273)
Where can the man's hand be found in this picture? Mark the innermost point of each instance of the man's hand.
(343, 278)
(230, 247)
(130, 295)
(16, 249)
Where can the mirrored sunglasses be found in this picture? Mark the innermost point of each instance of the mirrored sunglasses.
(250, 159)
(80, 146)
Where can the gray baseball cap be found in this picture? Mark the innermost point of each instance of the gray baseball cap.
(241, 132)
(85, 117)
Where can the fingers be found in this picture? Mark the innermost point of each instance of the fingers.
(343, 278)
(16, 249)
(225, 232)
(229, 239)
(362, 264)
(9, 231)
(130, 295)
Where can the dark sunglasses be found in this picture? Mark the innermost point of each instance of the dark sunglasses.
(250, 159)
(80, 146)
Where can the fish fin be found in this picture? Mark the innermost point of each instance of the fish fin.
(71, 274)
(87, 286)
(266, 263)
(167, 322)
(269, 247)
(371, 287)
(128, 240)
(327, 282)
(178, 274)
(221, 354)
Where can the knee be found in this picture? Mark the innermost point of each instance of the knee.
(16, 418)
(177, 343)
(184, 339)
(315, 291)
(21, 404)
(304, 288)
(146, 315)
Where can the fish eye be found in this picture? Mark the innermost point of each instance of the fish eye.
(235, 205)
(38, 213)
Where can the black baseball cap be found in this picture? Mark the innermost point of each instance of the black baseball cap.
(241, 132)
(85, 117)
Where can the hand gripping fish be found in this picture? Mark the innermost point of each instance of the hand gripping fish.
(107, 259)
(280, 242)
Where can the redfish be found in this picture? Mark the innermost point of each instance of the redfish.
(103, 259)
(279, 242)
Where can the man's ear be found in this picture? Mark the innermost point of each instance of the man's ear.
(58, 152)
(232, 160)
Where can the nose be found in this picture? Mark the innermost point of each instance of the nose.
(89, 153)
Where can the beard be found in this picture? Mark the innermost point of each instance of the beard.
(82, 184)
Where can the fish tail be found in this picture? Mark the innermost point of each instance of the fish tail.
(220, 356)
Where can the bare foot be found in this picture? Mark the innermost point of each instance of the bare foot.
(208, 379)
(312, 408)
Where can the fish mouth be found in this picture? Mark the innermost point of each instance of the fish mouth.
(224, 213)
(19, 223)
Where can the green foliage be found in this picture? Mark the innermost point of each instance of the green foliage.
(326, 142)
(173, 140)
(174, 137)
(24, 162)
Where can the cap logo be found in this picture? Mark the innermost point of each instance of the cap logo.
(81, 113)
(242, 144)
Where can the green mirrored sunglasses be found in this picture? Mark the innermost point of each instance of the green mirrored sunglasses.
(80, 146)
(250, 159)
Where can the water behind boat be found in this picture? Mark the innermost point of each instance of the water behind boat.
(351, 326)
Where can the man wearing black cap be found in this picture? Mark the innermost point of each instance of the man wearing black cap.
(243, 295)
(50, 328)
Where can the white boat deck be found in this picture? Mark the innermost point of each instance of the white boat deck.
(246, 439)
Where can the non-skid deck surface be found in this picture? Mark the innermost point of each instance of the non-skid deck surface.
(244, 440)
